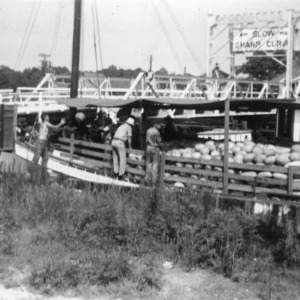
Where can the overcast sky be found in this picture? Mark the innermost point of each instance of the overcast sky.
(130, 31)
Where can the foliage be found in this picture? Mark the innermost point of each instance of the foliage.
(11, 79)
(113, 71)
(261, 68)
(102, 235)
(219, 240)
(287, 248)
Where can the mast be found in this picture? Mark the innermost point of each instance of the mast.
(76, 49)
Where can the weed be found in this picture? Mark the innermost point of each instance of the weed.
(106, 235)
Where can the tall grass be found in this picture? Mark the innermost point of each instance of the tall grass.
(98, 235)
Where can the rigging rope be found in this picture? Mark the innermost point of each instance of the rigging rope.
(99, 36)
(168, 38)
(25, 39)
(95, 47)
(56, 31)
(183, 35)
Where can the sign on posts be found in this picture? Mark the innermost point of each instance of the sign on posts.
(262, 39)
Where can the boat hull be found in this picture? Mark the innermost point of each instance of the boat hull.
(56, 163)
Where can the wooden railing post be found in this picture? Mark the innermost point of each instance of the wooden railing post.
(71, 147)
(226, 146)
(162, 168)
(290, 180)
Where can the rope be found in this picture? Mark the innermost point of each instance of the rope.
(99, 37)
(95, 47)
(168, 38)
(27, 32)
(56, 31)
(183, 35)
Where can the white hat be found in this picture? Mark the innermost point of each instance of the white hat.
(130, 121)
(80, 116)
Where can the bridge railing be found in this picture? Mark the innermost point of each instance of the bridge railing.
(161, 86)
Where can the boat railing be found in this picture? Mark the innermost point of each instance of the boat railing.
(206, 173)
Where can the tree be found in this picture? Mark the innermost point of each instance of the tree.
(162, 71)
(61, 70)
(261, 68)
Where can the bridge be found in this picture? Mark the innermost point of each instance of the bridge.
(44, 96)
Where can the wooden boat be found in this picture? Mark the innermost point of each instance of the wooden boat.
(74, 166)
(93, 162)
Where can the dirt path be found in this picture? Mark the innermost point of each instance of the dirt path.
(178, 285)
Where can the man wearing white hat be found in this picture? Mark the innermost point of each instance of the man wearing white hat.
(122, 135)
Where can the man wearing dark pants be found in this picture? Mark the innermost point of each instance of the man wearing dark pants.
(154, 145)
(122, 135)
(41, 149)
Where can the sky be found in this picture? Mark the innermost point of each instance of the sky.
(173, 32)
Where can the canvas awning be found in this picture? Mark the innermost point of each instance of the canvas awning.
(235, 104)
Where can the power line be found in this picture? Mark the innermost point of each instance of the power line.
(99, 36)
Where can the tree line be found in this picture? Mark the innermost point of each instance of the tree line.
(30, 77)
(257, 68)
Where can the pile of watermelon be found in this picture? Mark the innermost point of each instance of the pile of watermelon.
(247, 153)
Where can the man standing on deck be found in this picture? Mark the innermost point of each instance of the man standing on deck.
(41, 149)
(122, 135)
(154, 146)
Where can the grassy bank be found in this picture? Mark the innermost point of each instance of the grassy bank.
(116, 239)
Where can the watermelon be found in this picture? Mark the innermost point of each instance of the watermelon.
(282, 159)
(260, 158)
(179, 185)
(205, 150)
(248, 157)
(270, 160)
(196, 155)
(257, 150)
(215, 153)
(295, 156)
(199, 147)
(269, 151)
(264, 174)
(279, 176)
(206, 157)
(249, 174)
(295, 148)
(189, 166)
(247, 148)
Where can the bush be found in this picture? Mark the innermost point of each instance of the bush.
(218, 241)
(105, 234)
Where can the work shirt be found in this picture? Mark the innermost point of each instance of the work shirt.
(123, 132)
(153, 137)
